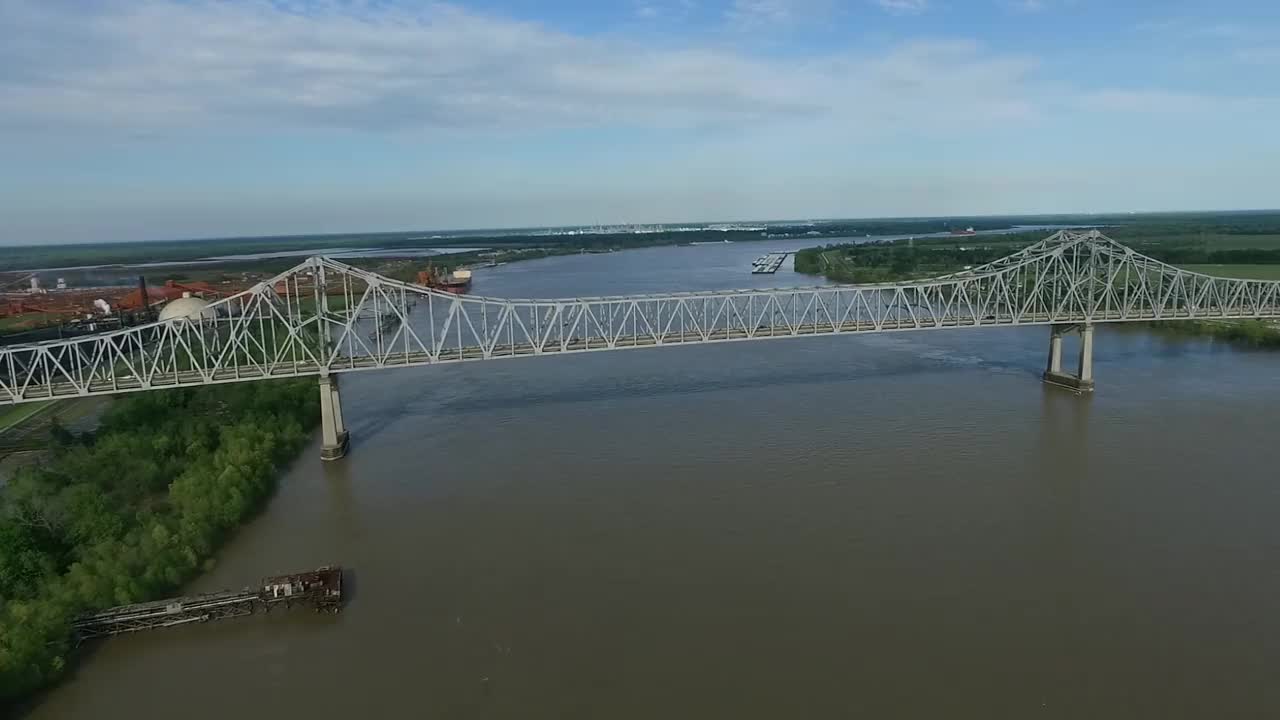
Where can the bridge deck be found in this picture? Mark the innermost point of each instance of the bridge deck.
(325, 317)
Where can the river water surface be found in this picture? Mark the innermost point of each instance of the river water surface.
(900, 525)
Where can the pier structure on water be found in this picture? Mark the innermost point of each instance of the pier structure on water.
(320, 589)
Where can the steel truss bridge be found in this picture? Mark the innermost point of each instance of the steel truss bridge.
(324, 318)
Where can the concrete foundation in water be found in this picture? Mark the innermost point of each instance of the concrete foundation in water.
(1082, 380)
(333, 431)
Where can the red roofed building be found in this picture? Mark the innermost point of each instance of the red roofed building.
(171, 290)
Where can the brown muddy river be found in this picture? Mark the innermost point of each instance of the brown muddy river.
(905, 525)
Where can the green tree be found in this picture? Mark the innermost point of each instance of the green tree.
(134, 510)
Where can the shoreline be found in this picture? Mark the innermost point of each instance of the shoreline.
(1245, 332)
(175, 478)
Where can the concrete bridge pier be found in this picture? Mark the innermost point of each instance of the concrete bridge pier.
(1082, 380)
(333, 431)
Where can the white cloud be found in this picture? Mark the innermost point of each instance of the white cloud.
(1227, 30)
(1175, 104)
(759, 12)
(669, 10)
(1144, 101)
(157, 64)
(1029, 6)
(1224, 48)
(772, 14)
(1261, 55)
(1223, 31)
(1035, 6)
(904, 7)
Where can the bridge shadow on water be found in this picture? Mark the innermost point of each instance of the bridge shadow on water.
(464, 390)
(480, 390)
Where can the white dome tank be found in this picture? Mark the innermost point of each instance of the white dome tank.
(192, 308)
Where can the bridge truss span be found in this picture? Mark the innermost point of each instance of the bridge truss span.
(324, 317)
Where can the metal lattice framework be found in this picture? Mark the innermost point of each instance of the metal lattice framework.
(325, 317)
(165, 613)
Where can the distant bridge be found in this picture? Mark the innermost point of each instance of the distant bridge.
(323, 318)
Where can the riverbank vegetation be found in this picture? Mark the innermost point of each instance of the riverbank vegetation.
(1251, 333)
(1183, 225)
(1245, 243)
(1229, 242)
(112, 253)
(131, 512)
(1246, 272)
(1230, 245)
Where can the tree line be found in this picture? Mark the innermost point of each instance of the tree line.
(901, 260)
(134, 510)
(887, 261)
(1253, 333)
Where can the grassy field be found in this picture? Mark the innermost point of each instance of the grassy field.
(1251, 272)
(1248, 272)
(1214, 241)
(22, 322)
(12, 415)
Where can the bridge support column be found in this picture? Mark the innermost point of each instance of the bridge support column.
(1055, 353)
(1085, 372)
(333, 432)
(1082, 380)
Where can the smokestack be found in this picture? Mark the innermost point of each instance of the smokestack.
(142, 287)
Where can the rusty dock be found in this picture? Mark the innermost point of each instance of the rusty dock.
(320, 589)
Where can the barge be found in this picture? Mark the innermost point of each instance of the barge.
(768, 264)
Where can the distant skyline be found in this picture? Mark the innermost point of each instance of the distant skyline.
(172, 119)
(455, 233)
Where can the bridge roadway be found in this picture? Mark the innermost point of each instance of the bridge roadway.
(323, 318)
(120, 384)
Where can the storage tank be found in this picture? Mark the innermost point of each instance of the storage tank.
(191, 308)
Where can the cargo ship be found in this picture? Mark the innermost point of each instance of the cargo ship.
(966, 231)
(458, 281)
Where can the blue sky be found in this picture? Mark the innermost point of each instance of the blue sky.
(154, 119)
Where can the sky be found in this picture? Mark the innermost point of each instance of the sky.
(162, 119)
